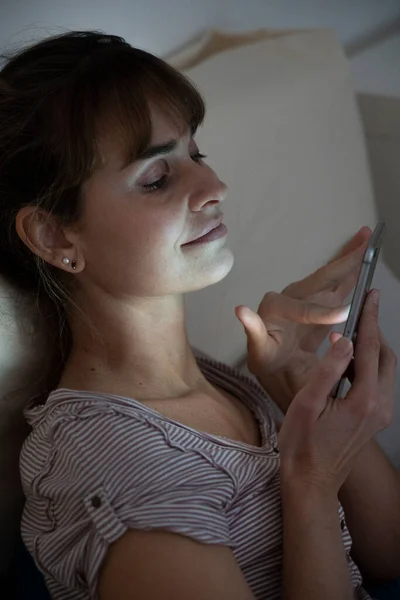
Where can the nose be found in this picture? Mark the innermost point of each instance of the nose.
(206, 189)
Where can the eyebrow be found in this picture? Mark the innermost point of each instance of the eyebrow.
(151, 152)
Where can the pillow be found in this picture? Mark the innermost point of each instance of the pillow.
(283, 131)
(23, 361)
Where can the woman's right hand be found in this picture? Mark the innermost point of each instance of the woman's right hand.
(321, 437)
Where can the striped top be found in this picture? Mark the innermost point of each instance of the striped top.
(96, 465)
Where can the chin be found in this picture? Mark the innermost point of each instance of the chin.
(214, 271)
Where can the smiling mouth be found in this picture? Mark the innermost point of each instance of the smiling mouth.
(216, 233)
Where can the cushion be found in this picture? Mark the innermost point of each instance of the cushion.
(284, 132)
(23, 361)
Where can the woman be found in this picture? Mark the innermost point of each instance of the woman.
(151, 472)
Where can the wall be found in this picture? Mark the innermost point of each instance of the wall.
(377, 71)
(160, 26)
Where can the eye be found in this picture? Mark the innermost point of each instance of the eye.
(158, 184)
(161, 182)
(156, 177)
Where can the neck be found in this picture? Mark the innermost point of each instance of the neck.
(140, 347)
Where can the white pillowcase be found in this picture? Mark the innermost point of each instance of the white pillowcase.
(283, 131)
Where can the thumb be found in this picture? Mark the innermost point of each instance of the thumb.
(254, 328)
(334, 336)
(327, 374)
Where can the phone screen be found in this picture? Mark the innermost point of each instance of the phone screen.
(361, 290)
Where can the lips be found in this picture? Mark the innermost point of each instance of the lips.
(206, 229)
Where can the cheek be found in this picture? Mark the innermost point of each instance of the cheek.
(132, 233)
(150, 232)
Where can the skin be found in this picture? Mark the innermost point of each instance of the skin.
(283, 338)
(135, 292)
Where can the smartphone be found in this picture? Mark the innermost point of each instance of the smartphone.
(361, 290)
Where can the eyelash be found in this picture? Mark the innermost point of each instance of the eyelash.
(162, 182)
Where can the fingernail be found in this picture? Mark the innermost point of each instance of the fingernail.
(346, 311)
(342, 347)
(375, 296)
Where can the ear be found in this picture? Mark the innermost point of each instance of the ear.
(44, 236)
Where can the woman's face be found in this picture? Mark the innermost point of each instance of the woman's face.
(138, 219)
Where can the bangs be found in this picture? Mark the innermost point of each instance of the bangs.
(109, 92)
(123, 85)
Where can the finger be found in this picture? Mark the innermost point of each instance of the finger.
(359, 239)
(337, 271)
(347, 281)
(328, 373)
(347, 262)
(367, 350)
(387, 367)
(341, 270)
(256, 333)
(334, 336)
(300, 311)
(338, 275)
(349, 373)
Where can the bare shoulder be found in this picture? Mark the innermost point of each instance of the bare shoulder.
(160, 564)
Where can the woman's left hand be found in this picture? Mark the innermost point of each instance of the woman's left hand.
(284, 335)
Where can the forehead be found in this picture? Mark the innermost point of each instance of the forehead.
(163, 129)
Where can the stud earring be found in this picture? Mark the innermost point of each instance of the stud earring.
(67, 261)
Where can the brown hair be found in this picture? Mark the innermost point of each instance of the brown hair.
(57, 97)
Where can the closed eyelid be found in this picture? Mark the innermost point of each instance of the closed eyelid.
(153, 171)
(157, 151)
(148, 163)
